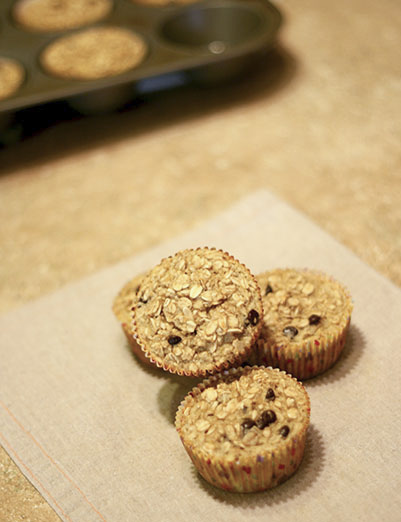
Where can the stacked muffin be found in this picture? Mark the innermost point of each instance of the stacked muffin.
(202, 313)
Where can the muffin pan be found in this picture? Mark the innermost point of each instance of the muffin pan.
(205, 41)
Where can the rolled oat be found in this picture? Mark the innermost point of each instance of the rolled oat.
(198, 312)
(305, 322)
(239, 430)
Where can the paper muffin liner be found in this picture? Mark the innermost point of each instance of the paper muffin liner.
(301, 361)
(248, 473)
(308, 358)
(135, 348)
(235, 360)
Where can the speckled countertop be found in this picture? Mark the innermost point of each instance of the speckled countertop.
(317, 124)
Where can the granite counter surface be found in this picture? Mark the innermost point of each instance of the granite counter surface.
(316, 124)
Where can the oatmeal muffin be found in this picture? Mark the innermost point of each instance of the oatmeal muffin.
(58, 15)
(122, 307)
(198, 312)
(12, 75)
(94, 53)
(163, 3)
(245, 428)
(306, 319)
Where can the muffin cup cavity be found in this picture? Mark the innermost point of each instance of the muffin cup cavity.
(214, 28)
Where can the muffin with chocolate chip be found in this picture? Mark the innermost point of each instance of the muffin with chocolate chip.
(245, 429)
(123, 304)
(198, 312)
(58, 15)
(97, 52)
(12, 75)
(306, 320)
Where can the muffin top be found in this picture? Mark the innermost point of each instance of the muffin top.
(251, 410)
(58, 15)
(197, 312)
(126, 299)
(12, 75)
(300, 305)
(163, 3)
(94, 53)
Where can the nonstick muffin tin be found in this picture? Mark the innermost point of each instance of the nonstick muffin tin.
(207, 40)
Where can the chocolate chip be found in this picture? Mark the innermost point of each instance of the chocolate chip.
(270, 395)
(284, 431)
(246, 425)
(314, 319)
(142, 300)
(267, 418)
(253, 317)
(174, 339)
(290, 331)
(268, 290)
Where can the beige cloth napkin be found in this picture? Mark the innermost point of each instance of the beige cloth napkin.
(93, 430)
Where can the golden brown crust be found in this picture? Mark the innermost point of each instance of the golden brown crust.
(93, 53)
(198, 312)
(58, 15)
(12, 75)
(163, 3)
